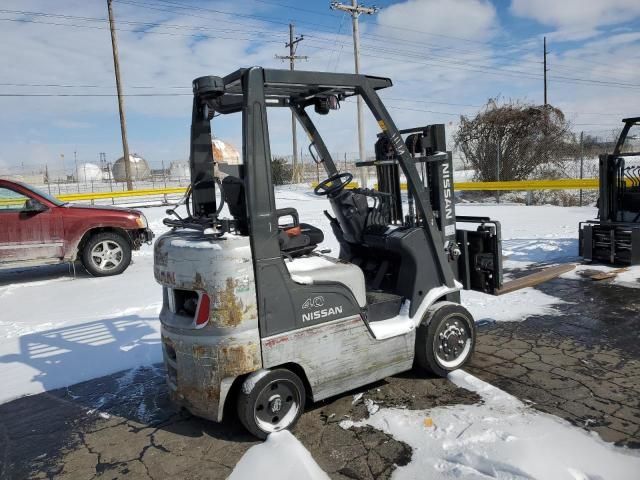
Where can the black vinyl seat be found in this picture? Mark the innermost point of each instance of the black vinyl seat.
(300, 239)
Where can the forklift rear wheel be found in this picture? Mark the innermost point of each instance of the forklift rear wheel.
(445, 338)
(274, 403)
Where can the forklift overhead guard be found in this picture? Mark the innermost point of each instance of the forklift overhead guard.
(252, 312)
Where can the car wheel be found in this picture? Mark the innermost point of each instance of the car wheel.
(106, 253)
(445, 338)
(271, 402)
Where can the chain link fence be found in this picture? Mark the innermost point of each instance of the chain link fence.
(306, 170)
(90, 178)
(575, 161)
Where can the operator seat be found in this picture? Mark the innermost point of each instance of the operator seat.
(313, 269)
(295, 239)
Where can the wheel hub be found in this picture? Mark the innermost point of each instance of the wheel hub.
(275, 404)
(452, 341)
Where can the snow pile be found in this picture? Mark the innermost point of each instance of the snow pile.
(627, 277)
(511, 307)
(280, 457)
(500, 438)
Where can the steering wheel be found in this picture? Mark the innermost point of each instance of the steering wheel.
(334, 184)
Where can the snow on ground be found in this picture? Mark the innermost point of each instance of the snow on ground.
(513, 307)
(56, 330)
(534, 234)
(627, 276)
(280, 457)
(499, 438)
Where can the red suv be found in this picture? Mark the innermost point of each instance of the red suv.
(38, 229)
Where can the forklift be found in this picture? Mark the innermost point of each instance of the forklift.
(253, 311)
(614, 237)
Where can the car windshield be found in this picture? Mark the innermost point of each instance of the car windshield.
(42, 194)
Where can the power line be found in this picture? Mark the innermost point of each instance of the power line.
(126, 22)
(447, 63)
(545, 69)
(336, 43)
(58, 85)
(258, 32)
(96, 27)
(94, 94)
(389, 105)
(327, 28)
(442, 63)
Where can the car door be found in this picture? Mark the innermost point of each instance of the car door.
(28, 234)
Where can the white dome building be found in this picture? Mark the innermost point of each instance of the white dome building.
(139, 169)
(178, 170)
(88, 172)
(224, 152)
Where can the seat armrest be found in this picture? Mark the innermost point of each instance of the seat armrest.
(289, 212)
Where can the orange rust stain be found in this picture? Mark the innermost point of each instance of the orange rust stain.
(238, 359)
(230, 306)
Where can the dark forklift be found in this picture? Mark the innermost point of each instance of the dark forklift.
(250, 307)
(614, 238)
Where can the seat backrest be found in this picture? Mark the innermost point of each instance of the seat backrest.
(234, 197)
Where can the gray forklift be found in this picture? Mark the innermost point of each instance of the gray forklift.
(614, 237)
(254, 312)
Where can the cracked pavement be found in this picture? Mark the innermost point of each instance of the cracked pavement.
(123, 426)
(582, 365)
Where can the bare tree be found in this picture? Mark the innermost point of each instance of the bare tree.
(512, 140)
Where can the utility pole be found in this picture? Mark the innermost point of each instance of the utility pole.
(292, 57)
(545, 71)
(123, 123)
(355, 11)
(581, 162)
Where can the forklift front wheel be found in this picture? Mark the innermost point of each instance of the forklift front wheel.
(445, 338)
(271, 402)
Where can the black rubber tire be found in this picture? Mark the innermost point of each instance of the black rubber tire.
(94, 240)
(427, 343)
(248, 399)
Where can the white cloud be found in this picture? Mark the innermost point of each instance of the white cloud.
(577, 15)
(426, 61)
(468, 19)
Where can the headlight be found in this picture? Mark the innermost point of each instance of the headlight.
(141, 221)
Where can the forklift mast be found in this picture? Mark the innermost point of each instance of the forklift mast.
(475, 256)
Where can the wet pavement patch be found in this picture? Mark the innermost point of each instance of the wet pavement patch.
(582, 365)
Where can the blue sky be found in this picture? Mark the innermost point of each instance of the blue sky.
(446, 58)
